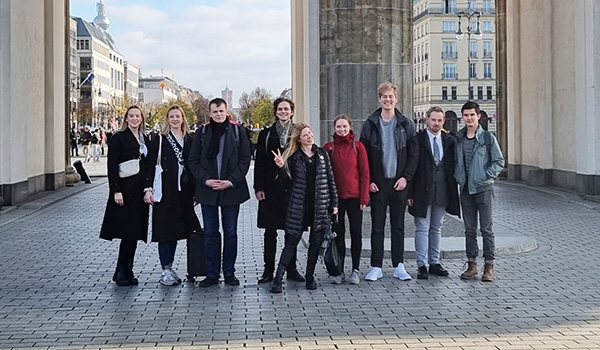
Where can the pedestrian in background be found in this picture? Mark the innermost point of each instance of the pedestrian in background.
(272, 197)
(219, 160)
(351, 171)
(86, 140)
(173, 217)
(126, 215)
(390, 140)
(479, 161)
(95, 146)
(73, 138)
(305, 170)
(432, 192)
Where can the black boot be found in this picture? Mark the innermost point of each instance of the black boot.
(129, 272)
(311, 284)
(266, 277)
(120, 277)
(277, 286)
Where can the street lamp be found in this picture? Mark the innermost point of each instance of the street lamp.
(469, 13)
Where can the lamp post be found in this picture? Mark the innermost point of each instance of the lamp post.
(469, 13)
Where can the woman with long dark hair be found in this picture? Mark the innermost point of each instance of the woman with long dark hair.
(126, 215)
(173, 217)
(306, 171)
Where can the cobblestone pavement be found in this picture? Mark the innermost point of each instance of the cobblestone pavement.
(56, 291)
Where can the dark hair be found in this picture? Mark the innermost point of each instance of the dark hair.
(435, 109)
(217, 102)
(283, 99)
(470, 105)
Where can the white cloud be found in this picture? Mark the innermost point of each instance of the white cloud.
(242, 43)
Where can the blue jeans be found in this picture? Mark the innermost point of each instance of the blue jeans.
(212, 239)
(428, 235)
(482, 204)
(166, 254)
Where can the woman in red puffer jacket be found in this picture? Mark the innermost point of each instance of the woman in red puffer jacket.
(351, 172)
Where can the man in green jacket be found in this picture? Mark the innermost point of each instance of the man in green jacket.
(479, 161)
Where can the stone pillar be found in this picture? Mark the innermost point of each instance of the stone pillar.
(363, 43)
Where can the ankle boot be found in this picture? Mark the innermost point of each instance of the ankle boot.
(277, 286)
(488, 272)
(266, 277)
(470, 272)
(120, 277)
(129, 272)
(310, 282)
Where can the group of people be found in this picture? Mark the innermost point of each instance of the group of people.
(92, 143)
(300, 187)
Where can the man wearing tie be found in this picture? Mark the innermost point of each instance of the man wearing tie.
(433, 192)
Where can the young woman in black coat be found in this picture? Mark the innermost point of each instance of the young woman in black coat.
(305, 170)
(126, 215)
(173, 217)
(272, 197)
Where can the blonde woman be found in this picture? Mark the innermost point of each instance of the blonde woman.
(305, 170)
(126, 215)
(173, 218)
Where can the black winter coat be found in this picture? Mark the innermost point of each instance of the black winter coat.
(271, 210)
(325, 192)
(236, 162)
(419, 188)
(406, 143)
(173, 218)
(129, 221)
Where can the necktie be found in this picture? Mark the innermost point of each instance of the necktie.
(436, 151)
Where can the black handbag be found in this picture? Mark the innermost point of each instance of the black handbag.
(331, 257)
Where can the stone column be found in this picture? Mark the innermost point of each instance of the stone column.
(362, 44)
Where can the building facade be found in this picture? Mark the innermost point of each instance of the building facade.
(444, 62)
(132, 82)
(157, 90)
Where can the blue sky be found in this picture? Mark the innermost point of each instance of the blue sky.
(205, 44)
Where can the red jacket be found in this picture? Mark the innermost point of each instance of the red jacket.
(350, 167)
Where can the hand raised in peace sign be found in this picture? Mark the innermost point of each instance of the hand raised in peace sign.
(278, 158)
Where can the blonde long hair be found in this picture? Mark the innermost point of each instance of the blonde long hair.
(294, 141)
(142, 124)
(185, 127)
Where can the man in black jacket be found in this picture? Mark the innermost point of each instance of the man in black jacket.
(391, 144)
(433, 192)
(219, 160)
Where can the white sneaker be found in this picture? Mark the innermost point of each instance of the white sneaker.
(374, 274)
(337, 279)
(400, 273)
(174, 274)
(166, 278)
(354, 277)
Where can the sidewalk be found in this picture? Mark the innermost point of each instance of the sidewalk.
(57, 291)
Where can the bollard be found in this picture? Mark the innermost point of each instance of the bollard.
(78, 165)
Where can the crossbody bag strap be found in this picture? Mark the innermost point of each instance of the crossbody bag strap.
(176, 149)
(159, 150)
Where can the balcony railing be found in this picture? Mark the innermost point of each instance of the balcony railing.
(450, 76)
(487, 54)
(449, 54)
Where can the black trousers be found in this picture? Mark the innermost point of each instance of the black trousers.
(126, 254)
(350, 206)
(289, 251)
(271, 251)
(396, 200)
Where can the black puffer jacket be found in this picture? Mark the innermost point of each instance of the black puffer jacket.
(325, 191)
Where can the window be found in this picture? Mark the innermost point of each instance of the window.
(444, 93)
(449, 26)
(487, 7)
(487, 26)
(449, 71)
(473, 49)
(473, 70)
(487, 70)
(480, 92)
(449, 48)
(449, 6)
(487, 49)
(454, 92)
(475, 25)
(473, 4)
(489, 92)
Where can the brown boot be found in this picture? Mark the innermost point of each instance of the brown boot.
(488, 272)
(470, 272)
